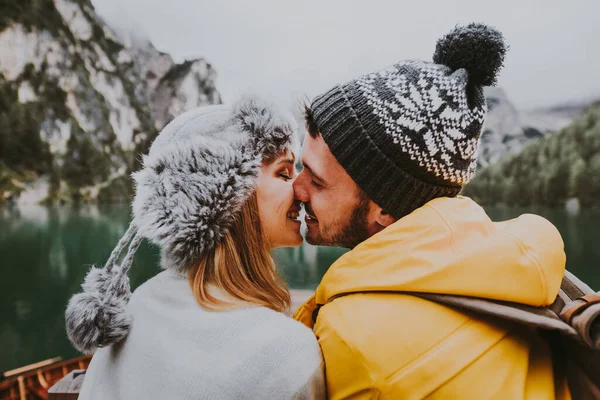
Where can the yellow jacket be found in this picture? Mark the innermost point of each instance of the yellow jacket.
(378, 344)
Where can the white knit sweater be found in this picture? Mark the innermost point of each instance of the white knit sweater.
(177, 350)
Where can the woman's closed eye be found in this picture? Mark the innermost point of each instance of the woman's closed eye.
(286, 174)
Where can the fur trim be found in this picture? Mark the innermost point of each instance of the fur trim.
(186, 198)
(190, 190)
(271, 130)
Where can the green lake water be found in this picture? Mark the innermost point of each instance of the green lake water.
(45, 253)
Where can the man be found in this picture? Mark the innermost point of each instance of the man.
(384, 161)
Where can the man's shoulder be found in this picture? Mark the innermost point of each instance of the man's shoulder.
(361, 307)
(356, 318)
(386, 329)
(355, 313)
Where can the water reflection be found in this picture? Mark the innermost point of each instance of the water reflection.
(45, 253)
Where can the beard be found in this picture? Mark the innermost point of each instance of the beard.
(348, 233)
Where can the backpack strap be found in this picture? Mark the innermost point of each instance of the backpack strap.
(583, 303)
(573, 298)
(571, 288)
(575, 312)
(540, 317)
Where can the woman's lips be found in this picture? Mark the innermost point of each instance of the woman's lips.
(294, 213)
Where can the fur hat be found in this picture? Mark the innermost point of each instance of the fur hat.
(193, 182)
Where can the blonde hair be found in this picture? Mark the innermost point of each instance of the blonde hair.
(241, 266)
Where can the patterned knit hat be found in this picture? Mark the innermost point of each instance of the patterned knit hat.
(410, 133)
(199, 172)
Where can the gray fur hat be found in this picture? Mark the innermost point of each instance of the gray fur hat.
(199, 172)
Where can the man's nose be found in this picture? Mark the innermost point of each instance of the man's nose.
(299, 185)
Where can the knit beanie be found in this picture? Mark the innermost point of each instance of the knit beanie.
(410, 133)
(196, 177)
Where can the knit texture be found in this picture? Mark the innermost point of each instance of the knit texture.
(410, 133)
(177, 350)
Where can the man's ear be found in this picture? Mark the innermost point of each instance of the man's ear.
(381, 217)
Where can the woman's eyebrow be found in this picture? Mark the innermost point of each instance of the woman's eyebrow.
(286, 160)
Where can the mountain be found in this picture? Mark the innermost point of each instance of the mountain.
(174, 88)
(549, 171)
(507, 130)
(79, 102)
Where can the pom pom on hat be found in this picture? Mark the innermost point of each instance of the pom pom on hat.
(478, 48)
(98, 315)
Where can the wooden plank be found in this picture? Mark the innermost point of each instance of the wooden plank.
(68, 387)
(30, 367)
(22, 390)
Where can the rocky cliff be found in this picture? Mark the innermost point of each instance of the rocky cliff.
(507, 130)
(79, 101)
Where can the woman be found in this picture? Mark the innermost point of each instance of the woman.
(215, 194)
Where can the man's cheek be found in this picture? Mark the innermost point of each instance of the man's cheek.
(323, 207)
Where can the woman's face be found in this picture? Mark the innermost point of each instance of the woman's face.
(279, 213)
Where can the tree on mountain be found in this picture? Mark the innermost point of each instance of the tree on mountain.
(548, 171)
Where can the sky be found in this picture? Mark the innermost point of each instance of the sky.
(290, 49)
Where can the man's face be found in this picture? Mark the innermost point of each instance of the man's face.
(337, 214)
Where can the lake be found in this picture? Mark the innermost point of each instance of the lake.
(45, 253)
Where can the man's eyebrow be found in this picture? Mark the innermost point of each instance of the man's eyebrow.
(313, 173)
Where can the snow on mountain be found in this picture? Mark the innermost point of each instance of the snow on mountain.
(174, 88)
(507, 130)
